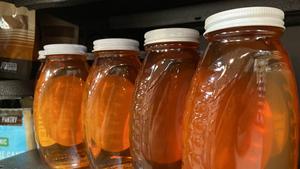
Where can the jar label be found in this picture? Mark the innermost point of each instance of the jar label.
(11, 117)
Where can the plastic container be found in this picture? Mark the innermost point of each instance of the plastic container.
(242, 108)
(57, 106)
(162, 85)
(107, 102)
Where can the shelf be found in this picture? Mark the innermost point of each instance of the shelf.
(116, 18)
(28, 160)
(117, 14)
(43, 4)
(194, 14)
(10, 89)
(40, 4)
(108, 18)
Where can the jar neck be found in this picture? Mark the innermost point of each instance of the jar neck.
(65, 57)
(171, 45)
(249, 33)
(116, 53)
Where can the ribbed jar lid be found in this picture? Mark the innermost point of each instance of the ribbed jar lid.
(116, 44)
(171, 35)
(57, 49)
(249, 16)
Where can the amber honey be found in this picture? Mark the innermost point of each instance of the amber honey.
(242, 109)
(162, 85)
(57, 111)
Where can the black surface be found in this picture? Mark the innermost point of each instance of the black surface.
(38, 4)
(123, 19)
(15, 68)
(194, 13)
(120, 14)
(109, 5)
(28, 160)
(291, 42)
(15, 88)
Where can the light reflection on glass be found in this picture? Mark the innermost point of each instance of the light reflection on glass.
(4, 24)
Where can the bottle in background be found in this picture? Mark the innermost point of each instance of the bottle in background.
(107, 102)
(162, 85)
(57, 106)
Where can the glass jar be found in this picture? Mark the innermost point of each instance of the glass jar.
(107, 102)
(57, 106)
(162, 85)
(242, 108)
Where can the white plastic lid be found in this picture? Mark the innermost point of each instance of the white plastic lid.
(116, 44)
(58, 49)
(171, 35)
(41, 55)
(249, 16)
